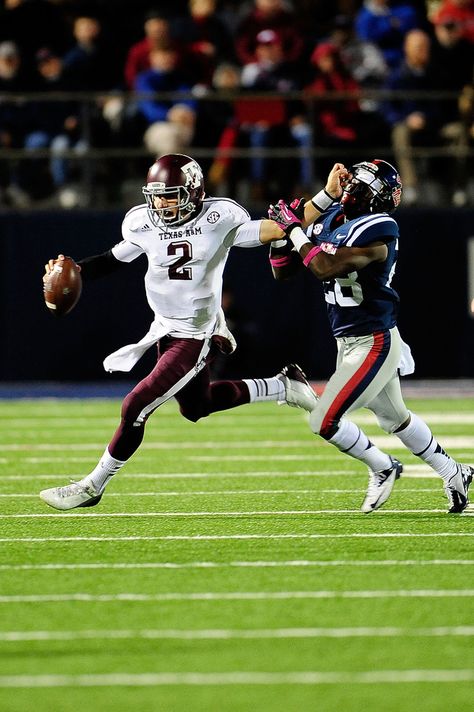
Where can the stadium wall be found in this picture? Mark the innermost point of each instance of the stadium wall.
(274, 322)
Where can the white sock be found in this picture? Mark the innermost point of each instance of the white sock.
(265, 389)
(418, 438)
(351, 440)
(103, 471)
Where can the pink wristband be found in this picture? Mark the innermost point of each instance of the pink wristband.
(312, 253)
(280, 261)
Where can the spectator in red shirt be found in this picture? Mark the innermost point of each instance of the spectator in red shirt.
(459, 12)
(205, 39)
(272, 123)
(337, 119)
(157, 31)
(269, 15)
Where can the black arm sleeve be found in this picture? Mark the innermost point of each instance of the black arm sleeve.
(293, 262)
(100, 265)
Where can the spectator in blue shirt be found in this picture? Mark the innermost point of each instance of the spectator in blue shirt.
(385, 24)
(170, 122)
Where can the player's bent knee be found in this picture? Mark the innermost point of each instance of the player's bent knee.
(316, 420)
(390, 424)
(194, 414)
(132, 407)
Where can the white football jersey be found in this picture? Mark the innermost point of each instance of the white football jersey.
(186, 262)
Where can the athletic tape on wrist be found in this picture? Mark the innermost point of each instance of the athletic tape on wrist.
(312, 253)
(279, 243)
(322, 200)
(298, 238)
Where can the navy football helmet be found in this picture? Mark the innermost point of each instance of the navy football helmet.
(375, 187)
(174, 177)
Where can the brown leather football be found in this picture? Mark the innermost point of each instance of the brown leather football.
(63, 287)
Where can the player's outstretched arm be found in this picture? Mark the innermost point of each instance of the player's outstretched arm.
(100, 265)
(90, 267)
(270, 231)
(332, 191)
(325, 261)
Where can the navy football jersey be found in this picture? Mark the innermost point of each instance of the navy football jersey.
(362, 301)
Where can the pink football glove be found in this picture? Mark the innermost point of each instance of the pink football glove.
(297, 205)
(285, 216)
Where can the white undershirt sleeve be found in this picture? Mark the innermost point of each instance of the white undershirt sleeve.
(247, 234)
(126, 251)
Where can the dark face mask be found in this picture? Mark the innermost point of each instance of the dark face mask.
(356, 199)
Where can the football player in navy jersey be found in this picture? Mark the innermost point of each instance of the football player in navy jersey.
(350, 243)
(186, 238)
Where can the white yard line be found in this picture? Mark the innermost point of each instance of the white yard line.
(263, 513)
(431, 417)
(231, 493)
(64, 459)
(313, 456)
(252, 513)
(15, 636)
(450, 441)
(211, 493)
(166, 445)
(229, 419)
(233, 537)
(190, 475)
(237, 678)
(234, 596)
(414, 472)
(400, 490)
(237, 564)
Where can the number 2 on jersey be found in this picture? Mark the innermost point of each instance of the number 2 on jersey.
(177, 269)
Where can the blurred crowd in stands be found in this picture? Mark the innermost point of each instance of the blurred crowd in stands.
(343, 78)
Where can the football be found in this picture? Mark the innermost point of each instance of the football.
(62, 287)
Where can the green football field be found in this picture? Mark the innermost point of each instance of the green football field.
(228, 568)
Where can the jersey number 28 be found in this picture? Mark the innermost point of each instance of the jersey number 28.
(344, 291)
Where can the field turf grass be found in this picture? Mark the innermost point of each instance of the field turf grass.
(228, 568)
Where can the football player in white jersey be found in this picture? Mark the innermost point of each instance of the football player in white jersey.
(351, 245)
(186, 238)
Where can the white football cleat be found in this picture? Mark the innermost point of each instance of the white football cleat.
(457, 489)
(380, 486)
(298, 392)
(71, 496)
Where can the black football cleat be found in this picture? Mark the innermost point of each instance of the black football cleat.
(457, 489)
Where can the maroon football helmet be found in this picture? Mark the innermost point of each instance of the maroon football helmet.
(174, 176)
